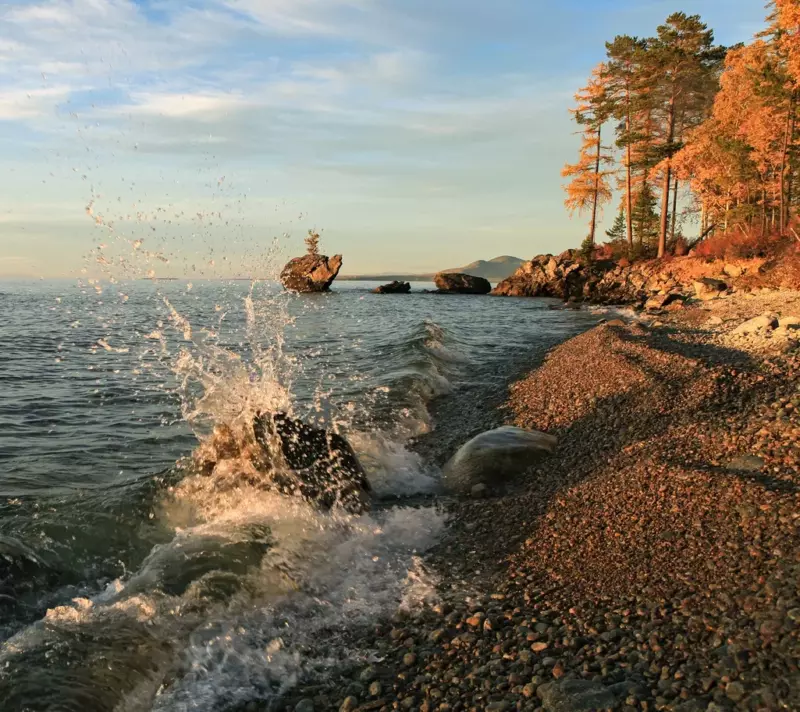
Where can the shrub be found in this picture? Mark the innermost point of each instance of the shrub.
(738, 245)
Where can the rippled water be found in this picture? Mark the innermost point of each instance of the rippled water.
(127, 583)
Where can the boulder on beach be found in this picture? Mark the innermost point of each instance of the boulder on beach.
(459, 283)
(393, 288)
(495, 456)
(707, 288)
(763, 323)
(311, 273)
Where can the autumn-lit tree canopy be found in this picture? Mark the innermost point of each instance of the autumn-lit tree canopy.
(702, 133)
(589, 188)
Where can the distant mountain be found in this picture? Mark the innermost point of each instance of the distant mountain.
(495, 270)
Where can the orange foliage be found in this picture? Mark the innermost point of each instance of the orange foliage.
(739, 245)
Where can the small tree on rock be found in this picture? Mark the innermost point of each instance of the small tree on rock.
(312, 242)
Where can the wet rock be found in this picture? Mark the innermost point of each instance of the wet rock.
(479, 491)
(735, 691)
(575, 695)
(319, 464)
(305, 705)
(493, 457)
(393, 288)
(348, 704)
(311, 273)
(457, 283)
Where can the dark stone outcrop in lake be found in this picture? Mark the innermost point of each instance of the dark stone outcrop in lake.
(318, 464)
(311, 273)
(393, 288)
(457, 283)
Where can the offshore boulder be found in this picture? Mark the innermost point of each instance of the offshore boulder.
(311, 273)
(393, 288)
(459, 283)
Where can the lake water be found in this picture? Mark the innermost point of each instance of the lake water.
(128, 582)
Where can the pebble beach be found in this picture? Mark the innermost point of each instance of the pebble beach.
(650, 563)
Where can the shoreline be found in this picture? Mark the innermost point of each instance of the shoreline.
(650, 563)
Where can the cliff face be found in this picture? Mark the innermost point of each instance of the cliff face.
(567, 277)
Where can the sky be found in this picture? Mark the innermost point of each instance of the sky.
(416, 135)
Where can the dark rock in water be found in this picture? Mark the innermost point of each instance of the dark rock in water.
(22, 571)
(393, 288)
(311, 273)
(456, 283)
(318, 464)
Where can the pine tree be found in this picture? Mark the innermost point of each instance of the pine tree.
(687, 64)
(645, 221)
(589, 188)
(619, 229)
(629, 94)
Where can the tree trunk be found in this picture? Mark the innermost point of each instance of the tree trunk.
(667, 180)
(703, 215)
(784, 157)
(596, 186)
(790, 172)
(727, 211)
(674, 211)
(628, 179)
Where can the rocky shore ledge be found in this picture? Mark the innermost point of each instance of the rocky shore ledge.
(652, 562)
(569, 277)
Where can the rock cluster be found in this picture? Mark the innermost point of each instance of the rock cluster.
(567, 276)
(457, 283)
(311, 273)
(393, 288)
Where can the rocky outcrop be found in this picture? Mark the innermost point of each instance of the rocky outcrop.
(311, 273)
(393, 288)
(493, 457)
(654, 283)
(707, 288)
(458, 283)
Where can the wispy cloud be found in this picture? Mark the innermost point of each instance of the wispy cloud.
(428, 118)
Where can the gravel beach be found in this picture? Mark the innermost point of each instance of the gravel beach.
(650, 563)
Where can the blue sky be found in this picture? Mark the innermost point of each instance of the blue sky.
(417, 134)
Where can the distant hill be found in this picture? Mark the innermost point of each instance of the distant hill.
(495, 270)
